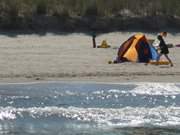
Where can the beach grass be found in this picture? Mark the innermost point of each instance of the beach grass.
(86, 7)
(26, 13)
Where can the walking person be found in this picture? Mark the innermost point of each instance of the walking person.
(163, 47)
(94, 39)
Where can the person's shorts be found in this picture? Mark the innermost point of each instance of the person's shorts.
(164, 50)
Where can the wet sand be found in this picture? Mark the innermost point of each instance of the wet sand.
(72, 58)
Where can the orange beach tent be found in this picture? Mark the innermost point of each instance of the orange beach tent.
(136, 49)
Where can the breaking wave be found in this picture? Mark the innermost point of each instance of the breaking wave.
(93, 109)
(157, 89)
(128, 116)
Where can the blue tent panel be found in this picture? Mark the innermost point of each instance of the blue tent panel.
(154, 53)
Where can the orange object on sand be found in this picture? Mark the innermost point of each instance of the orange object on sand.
(104, 44)
(159, 63)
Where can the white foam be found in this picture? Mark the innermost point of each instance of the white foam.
(127, 116)
(157, 89)
(165, 89)
(7, 114)
(115, 91)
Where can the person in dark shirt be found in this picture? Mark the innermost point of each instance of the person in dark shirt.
(163, 47)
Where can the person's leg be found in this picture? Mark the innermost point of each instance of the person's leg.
(168, 59)
(158, 58)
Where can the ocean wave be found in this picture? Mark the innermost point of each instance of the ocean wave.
(157, 89)
(131, 88)
(164, 89)
(124, 117)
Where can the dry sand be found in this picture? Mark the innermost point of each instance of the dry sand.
(71, 58)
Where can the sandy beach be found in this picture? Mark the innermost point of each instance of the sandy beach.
(71, 57)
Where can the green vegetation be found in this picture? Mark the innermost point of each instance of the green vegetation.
(44, 14)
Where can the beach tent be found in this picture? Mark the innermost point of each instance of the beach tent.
(136, 49)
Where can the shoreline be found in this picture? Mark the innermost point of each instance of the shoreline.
(97, 79)
(80, 81)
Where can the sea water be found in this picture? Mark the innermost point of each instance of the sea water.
(73, 108)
